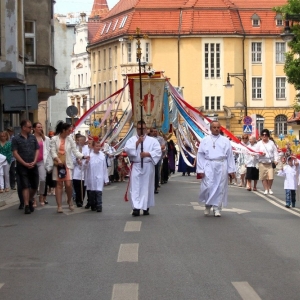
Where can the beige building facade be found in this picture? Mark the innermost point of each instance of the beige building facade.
(200, 62)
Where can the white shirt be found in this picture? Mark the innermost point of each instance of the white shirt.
(270, 150)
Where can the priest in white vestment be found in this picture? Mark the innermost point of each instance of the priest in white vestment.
(141, 188)
(214, 163)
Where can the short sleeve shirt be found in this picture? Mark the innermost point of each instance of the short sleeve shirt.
(26, 147)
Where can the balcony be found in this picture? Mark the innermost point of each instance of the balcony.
(44, 77)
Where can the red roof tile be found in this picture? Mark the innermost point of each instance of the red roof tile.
(159, 17)
(100, 8)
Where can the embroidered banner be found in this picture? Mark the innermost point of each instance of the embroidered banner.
(152, 100)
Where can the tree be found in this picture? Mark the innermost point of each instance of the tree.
(292, 62)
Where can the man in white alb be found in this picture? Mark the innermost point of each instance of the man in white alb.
(142, 179)
(214, 163)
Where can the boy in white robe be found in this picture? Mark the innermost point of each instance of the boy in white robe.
(290, 172)
(142, 179)
(96, 177)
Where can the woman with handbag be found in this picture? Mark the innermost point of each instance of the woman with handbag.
(62, 146)
(268, 159)
(44, 161)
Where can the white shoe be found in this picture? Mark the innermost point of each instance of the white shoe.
(207, 211)
(266, 192)
(217, 213)
(271, 192)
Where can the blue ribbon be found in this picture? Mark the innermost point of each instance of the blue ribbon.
(166, 124)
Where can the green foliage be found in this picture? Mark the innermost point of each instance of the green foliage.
(292, 63)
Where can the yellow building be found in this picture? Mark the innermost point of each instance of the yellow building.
(200, 46)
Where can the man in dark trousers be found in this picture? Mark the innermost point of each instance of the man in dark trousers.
(26, 149)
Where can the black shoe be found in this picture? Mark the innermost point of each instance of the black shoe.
(287, 206)
(30, 206)
(79, 204)
(136, 212)
(155, 192)
(93, 208)
(146, 212)
(27, 210)
(99, 208)
(46, 202)
(183, 174)
(21, 206)
(87, 206)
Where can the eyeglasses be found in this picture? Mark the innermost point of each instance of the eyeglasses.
(29, 127)
(265, 134)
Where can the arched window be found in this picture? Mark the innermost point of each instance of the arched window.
(280, 125)
(260, 120)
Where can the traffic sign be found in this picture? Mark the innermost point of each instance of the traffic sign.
(247, 120)
(247, 129)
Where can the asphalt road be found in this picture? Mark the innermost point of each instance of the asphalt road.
(251, 252)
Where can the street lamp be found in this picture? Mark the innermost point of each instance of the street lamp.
(291, 131)
(242, 78)
(288, 36)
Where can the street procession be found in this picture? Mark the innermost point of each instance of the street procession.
(149, 149)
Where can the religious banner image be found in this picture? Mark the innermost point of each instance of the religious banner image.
(152, 101)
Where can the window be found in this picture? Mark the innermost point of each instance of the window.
(116, 56)
(259, 123)
(30, 48)
(256, 88)
(280, 53)
(213, 103)
(99, 60)
(104, 59)
(94, 61)
(280, 87)
(104, 91)
(147, 50)
(212, 60)
(116, 85)
(78, 84)
(278, 19)
(108, 27)
(109, 58)
(256, 52)
(128, 52)
(123, 22)
(115, 24)
(255, 20)
(99, 92)
(280, 124)
(110, 88)
(103, 29)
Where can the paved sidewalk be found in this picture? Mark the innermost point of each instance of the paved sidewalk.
(9, 198)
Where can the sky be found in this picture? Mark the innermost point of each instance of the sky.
(77, 6)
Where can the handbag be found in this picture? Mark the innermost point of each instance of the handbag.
(62, 158)
(273, 165)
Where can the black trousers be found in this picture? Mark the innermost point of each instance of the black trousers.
(165, 170)
(79, 190)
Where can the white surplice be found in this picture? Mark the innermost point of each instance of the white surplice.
(215, 163)
(142, 179)
(96, 172)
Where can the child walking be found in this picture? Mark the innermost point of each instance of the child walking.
(290, 172)
(96, 176)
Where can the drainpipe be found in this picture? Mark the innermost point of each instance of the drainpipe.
(178, 45)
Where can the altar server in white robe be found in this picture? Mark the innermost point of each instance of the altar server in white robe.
(214, 163)
(96, 176)
(142, 179)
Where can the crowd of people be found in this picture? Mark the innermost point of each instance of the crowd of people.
(82, 167)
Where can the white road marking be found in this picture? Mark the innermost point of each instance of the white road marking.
(237, 210)
(128, 253)
(246, 291)
(9, 205)
(125, 291)
(278, 205)
(131, 226)
(194, 203)
(1, 285)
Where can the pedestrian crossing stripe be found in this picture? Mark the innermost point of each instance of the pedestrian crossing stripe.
(247, 129)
